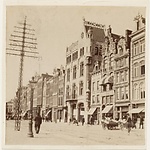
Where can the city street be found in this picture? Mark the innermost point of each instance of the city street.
(65, 134)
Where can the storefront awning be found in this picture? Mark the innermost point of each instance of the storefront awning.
(48, 113)
(107, 109)
(24, 113)
(135, 110)
(143, 110)
(91, 111)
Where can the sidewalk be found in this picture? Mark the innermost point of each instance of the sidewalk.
(65, 134)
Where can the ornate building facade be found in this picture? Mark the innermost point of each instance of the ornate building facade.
(80, 59)
(138, 68)
(122, 76)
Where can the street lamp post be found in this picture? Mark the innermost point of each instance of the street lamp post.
(32, 84)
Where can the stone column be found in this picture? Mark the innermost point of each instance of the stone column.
(120, 117)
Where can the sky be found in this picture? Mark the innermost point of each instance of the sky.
(56, 27)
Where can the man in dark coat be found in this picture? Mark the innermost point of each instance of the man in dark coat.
(141, 122)
(83, 120)
(129, 121)
(38, 122)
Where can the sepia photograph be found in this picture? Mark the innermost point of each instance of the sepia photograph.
(75, 76)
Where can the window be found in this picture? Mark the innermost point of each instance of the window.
(117, 77)
(74, 72)
(81, 69)
(81, 88)
(74, 91)
(96, 50)
(108, 99)
(135, 49)
(142, 46)
(122, 62)
(68, 75)
(121, 76)
(75, 56)
(120, 50)
(97, 85)
(93, 99)
(68, 59)
(111, 99)
(117, 93)
(93, 86)
(98, 98)
(82, 51)
(126, 75)
(104, 87)
(122, 92)
(135, 70)
(127, 92)
(67, 92)
(142, 91)
(103, 100)
(110, 86)
(142, 69)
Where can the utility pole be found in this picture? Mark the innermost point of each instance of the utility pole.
(21, 44)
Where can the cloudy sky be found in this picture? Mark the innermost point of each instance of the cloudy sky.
(56, 27)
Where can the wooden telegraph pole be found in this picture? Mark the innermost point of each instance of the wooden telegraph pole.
(22, 43)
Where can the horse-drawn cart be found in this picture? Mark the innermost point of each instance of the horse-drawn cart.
(111, 124)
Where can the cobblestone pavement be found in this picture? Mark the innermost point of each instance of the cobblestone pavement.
(65, 134)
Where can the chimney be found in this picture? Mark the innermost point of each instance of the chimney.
(127, 38)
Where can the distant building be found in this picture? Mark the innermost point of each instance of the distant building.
(80, 58)
(9, 109)
(61, 93)
(49, 98)
(138, 68)
(58, 94)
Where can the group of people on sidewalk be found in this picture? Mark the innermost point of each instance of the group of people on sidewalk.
(131, 123)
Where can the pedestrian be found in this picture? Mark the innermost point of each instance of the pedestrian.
(59, 119)
(129, 121)
(70, 121)
(141, 122)
(38, 122)
(83, 120)
(134, 120)
(90, 120)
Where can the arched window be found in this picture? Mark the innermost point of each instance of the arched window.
(142, 90)
(120, 50)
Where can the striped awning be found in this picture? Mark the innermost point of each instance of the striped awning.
(107, 109)
(48, 113)
(91, 111)
(135, 110)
